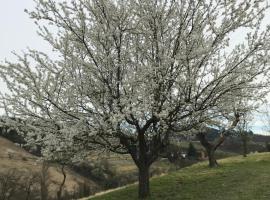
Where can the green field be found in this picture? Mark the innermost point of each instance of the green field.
(236, 178)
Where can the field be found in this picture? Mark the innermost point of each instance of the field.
(236, 178)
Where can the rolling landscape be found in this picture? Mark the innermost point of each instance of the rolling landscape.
(135, 99)
(116, 171)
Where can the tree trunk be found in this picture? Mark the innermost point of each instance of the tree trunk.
(144, 153)
(144, 187)
(211, 158)
(244, 147)
(44, 181)
(59, 192)
(210, 148)
(28, 191)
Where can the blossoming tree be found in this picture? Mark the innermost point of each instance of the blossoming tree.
(129, 74)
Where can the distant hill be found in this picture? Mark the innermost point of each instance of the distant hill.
(261, 138)
(237, 178)
(234, 144)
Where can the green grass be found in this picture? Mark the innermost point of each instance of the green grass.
(236, 178)
(123, 164)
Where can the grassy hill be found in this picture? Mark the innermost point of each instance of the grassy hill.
(15, 159)
(236, 179)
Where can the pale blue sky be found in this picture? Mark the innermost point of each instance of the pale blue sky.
(19, 32)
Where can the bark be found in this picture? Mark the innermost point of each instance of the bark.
(144, 152)
(143, 166)
(211, 158)
(143, 161)
(144, 186)
(210, 148)
(28, 191)
(244, 147)
(59, 192)
(44, 181)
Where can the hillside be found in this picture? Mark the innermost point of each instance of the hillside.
(16, 159)
(234, 142)
(237, 178)
(261, 138)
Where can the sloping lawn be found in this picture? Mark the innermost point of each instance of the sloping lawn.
(236, 178)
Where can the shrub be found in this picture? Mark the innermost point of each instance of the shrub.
(192, 152)
(8, 184)
(172, 152)
(267, 146)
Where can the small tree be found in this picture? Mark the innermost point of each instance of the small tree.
(44, 180)
(245, 138)
(61, 157)
(9, 184)
(243, 132)
(267, 146)
(129, 74)
(191, 152)
(29, 182)
(61, 187)
(212, 146)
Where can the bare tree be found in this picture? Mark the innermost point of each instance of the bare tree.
(44, 180)
(29, 183)
(265, 117)
(61, 186)
(244, 133)
(130, 74)
(8, 184)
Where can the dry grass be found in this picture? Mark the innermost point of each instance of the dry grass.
(14, 157)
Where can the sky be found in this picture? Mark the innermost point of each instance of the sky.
(18, 32)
